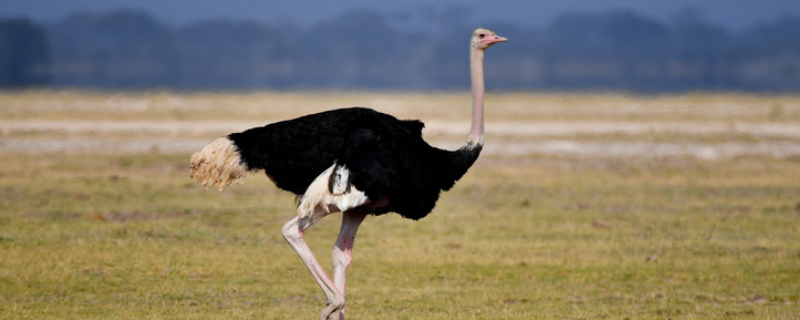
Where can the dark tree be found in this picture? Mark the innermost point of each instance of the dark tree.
(126, 49)
(24, 59)
(364, 49)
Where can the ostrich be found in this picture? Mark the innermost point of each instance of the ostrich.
(356, 161)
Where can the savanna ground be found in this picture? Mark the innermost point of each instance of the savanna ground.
(584, 206)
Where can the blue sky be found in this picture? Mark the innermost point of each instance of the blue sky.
(732, 14)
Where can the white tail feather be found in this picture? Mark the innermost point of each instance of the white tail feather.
(218, 164)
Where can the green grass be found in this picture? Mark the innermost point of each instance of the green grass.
(131, 237)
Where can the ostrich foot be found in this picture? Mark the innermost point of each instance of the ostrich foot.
(334, 311)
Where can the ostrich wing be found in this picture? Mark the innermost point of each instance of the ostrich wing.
(394, 162)
(370, 160)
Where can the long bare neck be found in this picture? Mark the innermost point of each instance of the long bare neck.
(476, 71)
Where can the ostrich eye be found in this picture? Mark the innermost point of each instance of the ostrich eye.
(481, 35)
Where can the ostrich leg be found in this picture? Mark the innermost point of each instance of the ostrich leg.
(342, 250)
(293, 232)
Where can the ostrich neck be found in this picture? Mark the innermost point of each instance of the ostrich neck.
(476, 71)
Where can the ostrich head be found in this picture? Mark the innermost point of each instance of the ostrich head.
(482, 38)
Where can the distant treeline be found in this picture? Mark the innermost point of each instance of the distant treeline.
(367, 50)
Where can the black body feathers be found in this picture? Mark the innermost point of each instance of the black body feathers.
(386, 157)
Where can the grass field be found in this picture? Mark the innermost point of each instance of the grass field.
(90, 229)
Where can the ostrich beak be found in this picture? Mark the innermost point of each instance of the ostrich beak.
(492, 39)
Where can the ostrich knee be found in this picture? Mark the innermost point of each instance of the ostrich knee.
(291, 231)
